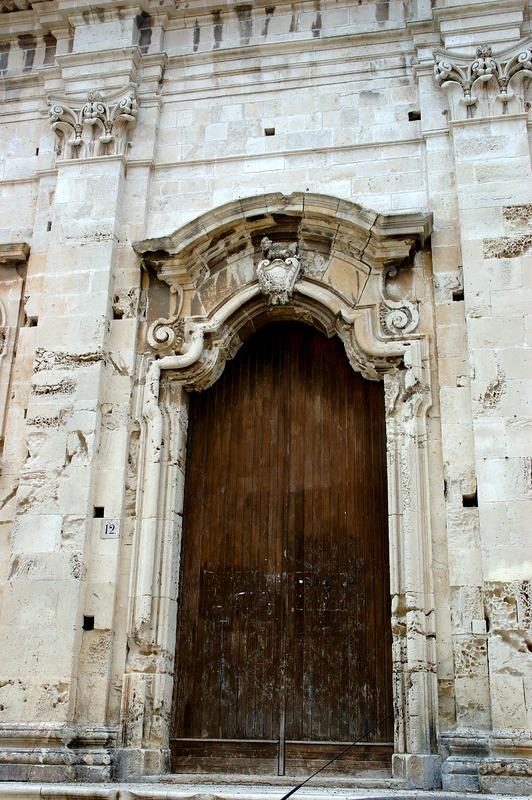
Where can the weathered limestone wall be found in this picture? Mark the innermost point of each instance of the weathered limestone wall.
(205, 105)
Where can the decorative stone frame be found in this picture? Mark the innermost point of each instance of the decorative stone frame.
(345, 291)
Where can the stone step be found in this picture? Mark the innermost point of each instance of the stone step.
(272, 783)
(222, 789)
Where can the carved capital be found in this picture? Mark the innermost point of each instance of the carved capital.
(94, 127)
(500, 76)
(278, 271)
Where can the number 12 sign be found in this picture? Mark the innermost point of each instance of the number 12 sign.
(110, 529)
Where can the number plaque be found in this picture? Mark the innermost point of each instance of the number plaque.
(110, 529)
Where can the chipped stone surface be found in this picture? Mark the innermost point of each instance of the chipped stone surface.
(518, 217)
(507, 246)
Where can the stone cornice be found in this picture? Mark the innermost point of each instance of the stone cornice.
(21, 80)
(477, 7)
(460, 123)
(109, 55)
(156, 165)
(14, 252)
(376, 239)
(397, 40)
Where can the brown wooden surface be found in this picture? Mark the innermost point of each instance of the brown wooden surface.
(284, 618)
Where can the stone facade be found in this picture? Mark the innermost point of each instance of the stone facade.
(172, 174)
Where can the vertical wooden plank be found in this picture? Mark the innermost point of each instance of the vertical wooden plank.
(308, 554)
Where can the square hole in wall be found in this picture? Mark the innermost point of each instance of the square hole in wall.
(99, 512)
(414, 116)
(88, 623)
(31, 322)
(470, 500)
(117, 310)
(269, 131)
(49, 225)
(458, 295)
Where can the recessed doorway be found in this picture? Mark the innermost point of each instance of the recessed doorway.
(284, 637)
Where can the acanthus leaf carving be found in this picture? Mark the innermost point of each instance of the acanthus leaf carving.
(483, 69)
(278, 271)
(97, 127)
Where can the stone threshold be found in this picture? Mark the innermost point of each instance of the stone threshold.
(367, 781)
(189, 788)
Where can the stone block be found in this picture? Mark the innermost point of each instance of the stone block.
(512, 776)
(36, 533)
(460, 774)
(419, 771)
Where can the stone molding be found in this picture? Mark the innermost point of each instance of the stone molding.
(490, 760)
(488, 84)
(15, 252)
(191, 351)
(51, 752)
(12, 254)
(97, 126)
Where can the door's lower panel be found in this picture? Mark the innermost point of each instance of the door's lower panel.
(224, 755)
(262, 757)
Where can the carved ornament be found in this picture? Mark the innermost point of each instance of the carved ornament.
(167, 334)
(398, 317)
(13, 5)
(11, 253)
(216, 313)
(189, 351)
(95, 127)
(278, 271)
(503, 72)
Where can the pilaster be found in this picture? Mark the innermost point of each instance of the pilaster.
(488, 106)
(61, 594)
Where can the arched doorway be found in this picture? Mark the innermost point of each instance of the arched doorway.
(284, 637)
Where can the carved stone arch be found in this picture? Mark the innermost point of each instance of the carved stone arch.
(347, 271)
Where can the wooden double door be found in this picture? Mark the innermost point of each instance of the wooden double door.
(284, 640)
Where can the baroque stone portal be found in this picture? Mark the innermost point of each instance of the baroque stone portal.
(337, 285)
